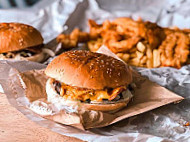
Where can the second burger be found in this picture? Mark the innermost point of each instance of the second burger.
(22, 42)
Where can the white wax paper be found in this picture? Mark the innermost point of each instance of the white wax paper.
(163, 123)
(48, 16)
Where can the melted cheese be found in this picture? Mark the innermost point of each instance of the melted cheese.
(72, 93)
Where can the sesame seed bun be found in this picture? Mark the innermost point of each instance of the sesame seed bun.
(85, 69)
(89, 70)
(16, 36)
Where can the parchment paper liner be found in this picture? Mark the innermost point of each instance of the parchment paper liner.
(176, 80)
(147, 96)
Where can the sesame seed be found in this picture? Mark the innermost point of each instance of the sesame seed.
(102, 61)
(91, 67)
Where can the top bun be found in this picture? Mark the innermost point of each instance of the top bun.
(16, 36)
(89, 70)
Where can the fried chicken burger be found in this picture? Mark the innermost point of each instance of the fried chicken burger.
(89, 80)
(21, 42)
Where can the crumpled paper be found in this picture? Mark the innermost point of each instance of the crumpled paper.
(147, 96)
(48, 17)
(166, 13)
(157, 125)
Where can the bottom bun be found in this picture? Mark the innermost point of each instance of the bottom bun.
(61, 103)
(111, 107)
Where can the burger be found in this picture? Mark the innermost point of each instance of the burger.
(21, 42)
(88, 80)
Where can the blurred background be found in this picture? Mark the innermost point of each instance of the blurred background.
(6, 4)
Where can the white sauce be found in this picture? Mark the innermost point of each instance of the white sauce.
(41, 108)
(19, 57)
(59, 102)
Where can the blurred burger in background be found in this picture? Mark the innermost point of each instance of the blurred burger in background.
(22, 42)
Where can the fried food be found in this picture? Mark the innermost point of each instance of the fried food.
(79, 35)
(138, 43)
(94, 45)
(95, 29)
(174, 49)
(156, 58)
(66, 41)
(71, 40)
(141, 47)
(123, 45)
(147, 31)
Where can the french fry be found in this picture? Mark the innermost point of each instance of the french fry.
(149, 52)
(120, 55)
(149, 63)
(94, 45)
(139, 55)
(156, 58)
(143, 60)
(132, 50)
(133, 55)
(141, 47)
(150, 57)
(126, 57)
(134, 62)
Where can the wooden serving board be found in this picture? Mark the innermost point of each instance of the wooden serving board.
(14, 126)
